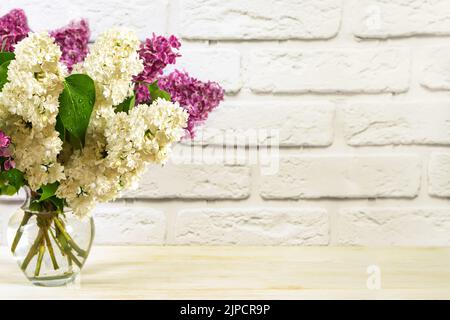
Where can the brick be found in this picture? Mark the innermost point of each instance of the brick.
(250, 124)
(400, 18)
(381, 123)
(226, 68)
(118, 224)
(394, 226)
(193, 181)
(252, 226)
(254, 19)
(369, 176)
(329, 71)
(439, 175)
(436, 68)
(102, 14)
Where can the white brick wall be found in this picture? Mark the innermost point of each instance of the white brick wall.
(439, 175)
(401, 18)
(252, 226)
(226, 62)
(381, 123)
(368, 176)
(356, 92)
(329, 71)
(256, 19)
(130, 224)
(435, 72)
(194, 181)
(393, 226)
(300, 123)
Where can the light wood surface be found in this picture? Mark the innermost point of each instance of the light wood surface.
(244, 273)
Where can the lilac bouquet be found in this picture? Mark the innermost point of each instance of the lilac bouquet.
(78, 126)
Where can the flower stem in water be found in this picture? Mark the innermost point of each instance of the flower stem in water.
(65, 249)
(50, 250)
(26, 218)
(60, 226)
(33, 250)
(61, 238)
(40, 257)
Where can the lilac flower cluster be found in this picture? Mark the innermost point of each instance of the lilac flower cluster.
(13, 28)
(142, 93)
(156, 53)
(5, 141)
(73, 40)
(197, 97)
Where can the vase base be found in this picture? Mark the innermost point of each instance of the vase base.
(53, 281)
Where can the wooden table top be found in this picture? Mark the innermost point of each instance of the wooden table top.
(150, 272)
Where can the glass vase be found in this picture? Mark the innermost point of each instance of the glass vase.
(49, 247)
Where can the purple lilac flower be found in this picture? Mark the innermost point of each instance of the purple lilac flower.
(142, 93)
(197, 97)
(5, 153)
(9, 164)
(156, 53)
(13, 28)
(73, 40)
(5, 141)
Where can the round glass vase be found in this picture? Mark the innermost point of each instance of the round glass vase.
(49, 247)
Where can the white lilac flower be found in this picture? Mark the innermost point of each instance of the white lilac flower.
(112, 62)
(29, 106)
(35, 152)
(165, 122)
(118, 145)
(35, 81)
(125, 144)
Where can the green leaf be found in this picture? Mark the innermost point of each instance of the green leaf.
(4, 74)
(126, 105)
(5, 59)
(35, 206)
(14, 178)
(48, 191)
(60, 128)
(6, 56)
(57, 202)
(76, 103)
(8, 190)
(156, 92)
